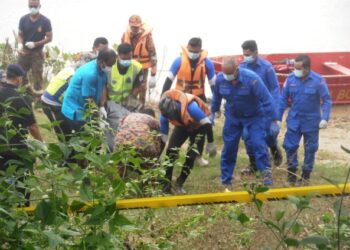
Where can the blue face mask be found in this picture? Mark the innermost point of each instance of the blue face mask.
(229, 77)
(248, 59)
(125, 63)
(298, 73)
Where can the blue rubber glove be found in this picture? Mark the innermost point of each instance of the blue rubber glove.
(274, 129)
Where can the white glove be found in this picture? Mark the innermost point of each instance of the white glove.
(323, 124)
(30, 45)
(211, 149)
(19, 46)
(152, 82)
(103, 113)
(103, 124)
(164, 138)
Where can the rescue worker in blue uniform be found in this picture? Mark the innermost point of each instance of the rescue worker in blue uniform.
(247, 100)
(190, 116)
(267, 73)
(306, 90)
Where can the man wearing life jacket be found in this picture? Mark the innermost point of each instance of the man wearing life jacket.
(139, 36)
(126, 78)
(190, 116)
(191, 68)
(53, 95)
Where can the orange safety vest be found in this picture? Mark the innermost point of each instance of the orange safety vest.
(187, 81)
(140, 53)
(184, 99)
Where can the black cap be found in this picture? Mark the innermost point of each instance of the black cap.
(15, 70)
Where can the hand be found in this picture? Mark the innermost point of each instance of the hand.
(19, 46)
(211, 149)
(152, 82)
(164, 138)
(30, 45)
(323, 124)
(103, 124)
(274, 128)
(103, 113)
(212, 119)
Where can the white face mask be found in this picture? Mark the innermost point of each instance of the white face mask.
(298, 73)
(230, 77)
(248, 59)
(107, 69)
(193, 56)
(34, 11)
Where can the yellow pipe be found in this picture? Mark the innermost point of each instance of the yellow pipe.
(229, 197)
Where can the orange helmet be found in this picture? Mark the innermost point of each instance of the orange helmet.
(135, 20)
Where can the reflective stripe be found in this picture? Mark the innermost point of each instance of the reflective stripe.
(120, 86)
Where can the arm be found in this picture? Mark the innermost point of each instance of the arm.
(137, 86)
(264, 96)
(34, 131)
(152, 53)
(199, 116)
(326, 100)
(103, 97)
(172, 74)
(46, 40)
(210, 73)
(283, 101)
(273, 86)
(217, 98)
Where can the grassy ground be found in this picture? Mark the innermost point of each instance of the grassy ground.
(215, 227)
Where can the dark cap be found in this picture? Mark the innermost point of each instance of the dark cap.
(15, 70)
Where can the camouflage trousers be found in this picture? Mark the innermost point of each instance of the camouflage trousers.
(143, 93)
(34, 61)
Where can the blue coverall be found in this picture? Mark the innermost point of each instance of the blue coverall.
(246, 99)
(267, 73)
(304, 116)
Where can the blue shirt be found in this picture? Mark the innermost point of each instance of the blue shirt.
(306, 97)
(266, 71)
(87, 82)
(209, 67)
(246, 97)
(34, 31)
(193, 110)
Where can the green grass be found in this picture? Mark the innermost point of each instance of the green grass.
(214, 226)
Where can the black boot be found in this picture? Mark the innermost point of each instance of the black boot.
(305, 178)
(291, 177)
(251, 169)
(276, 155)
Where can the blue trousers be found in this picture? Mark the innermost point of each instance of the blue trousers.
(271, 140)
(232, 132)
(291, 145)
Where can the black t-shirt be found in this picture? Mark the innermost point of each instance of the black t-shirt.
(17, 114)
(34, 31)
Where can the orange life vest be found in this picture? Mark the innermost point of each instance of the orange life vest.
(140, 53)
(185, 99)
(187, 81)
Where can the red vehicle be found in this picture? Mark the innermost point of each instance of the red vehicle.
(333, 66)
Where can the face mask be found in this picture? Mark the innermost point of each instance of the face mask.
(107, 69)
(298, 73)
(34, 11)
(229, 77)
(193, 56)
(248, 59)
(125, 63)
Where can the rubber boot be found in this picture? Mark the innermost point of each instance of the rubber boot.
(276, 155)
(251, 169)
(291, 177)
(267, 177)
(305, 178)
